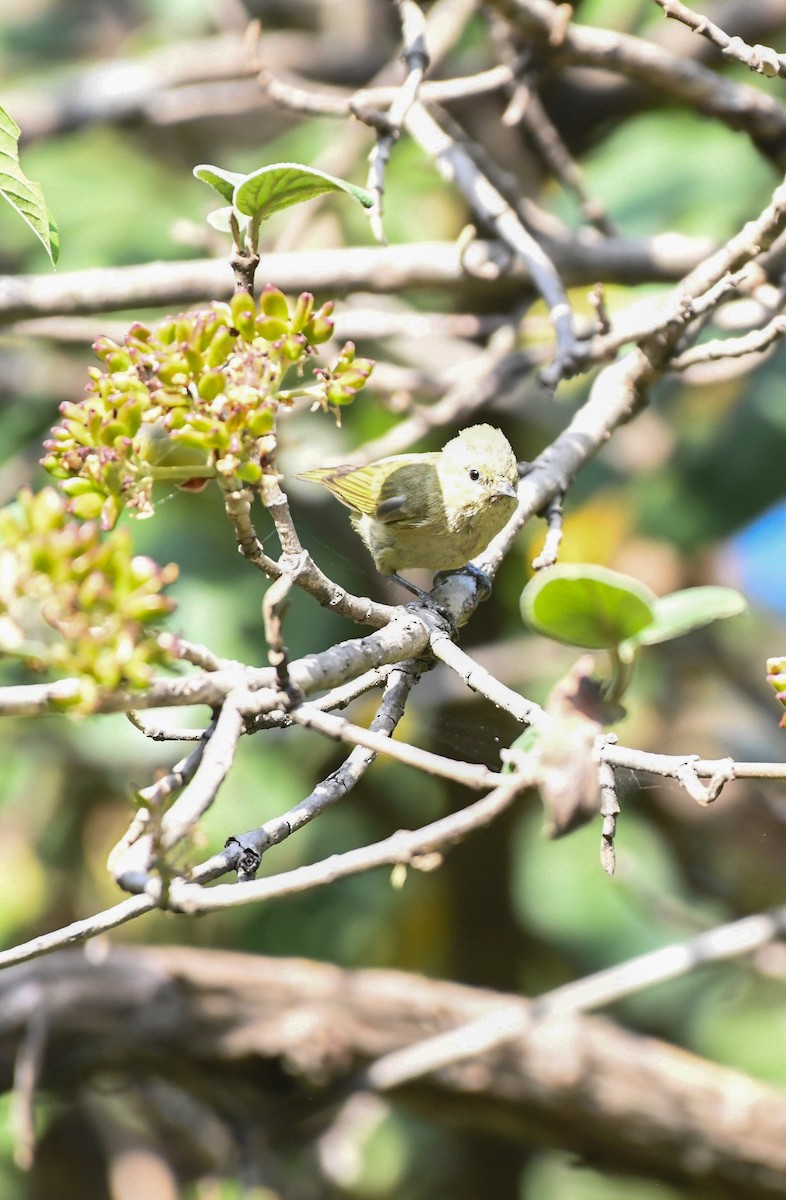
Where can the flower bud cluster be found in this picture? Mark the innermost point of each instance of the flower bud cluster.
(346, 378)
(776, 677)
(78, 602)
(195, 397)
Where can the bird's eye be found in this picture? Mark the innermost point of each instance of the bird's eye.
(474, 474)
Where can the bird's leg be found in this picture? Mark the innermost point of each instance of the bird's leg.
(429, 602)
(412, 588)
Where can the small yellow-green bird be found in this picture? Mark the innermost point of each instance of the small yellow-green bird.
(434, 510)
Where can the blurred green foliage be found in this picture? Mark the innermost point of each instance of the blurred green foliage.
(669, 170)
(115, 203)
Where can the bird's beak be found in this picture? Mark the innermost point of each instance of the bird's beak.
(507, 489)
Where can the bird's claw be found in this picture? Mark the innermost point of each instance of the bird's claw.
(445, 616)
(483, 581)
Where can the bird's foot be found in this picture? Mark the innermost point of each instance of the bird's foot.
(425, 600)
(446, 618)
(483, 581)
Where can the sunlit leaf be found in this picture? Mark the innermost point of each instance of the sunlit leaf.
(586, 605)
(692, 608)
(219, 218)
(22, 193)
(223, 181)
(280, 185)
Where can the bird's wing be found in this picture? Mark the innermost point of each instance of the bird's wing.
(405, 494)
(391, 509)
(357, 487)
(409, 493)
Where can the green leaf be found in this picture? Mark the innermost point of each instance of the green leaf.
(272, 188)
(219, 218)
(692, 608)
(22, 193)
(223, 181)
(586, 605)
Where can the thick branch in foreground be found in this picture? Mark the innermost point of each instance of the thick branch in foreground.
(298, 1031)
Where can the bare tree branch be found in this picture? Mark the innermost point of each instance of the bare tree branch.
(762, 59)
(580, 258)
(564, 43)
(598, 990)
(621, 1100)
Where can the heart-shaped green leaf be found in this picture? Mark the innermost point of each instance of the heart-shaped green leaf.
(280, 185)
(586, 605)
(692, 608)
(22, 193)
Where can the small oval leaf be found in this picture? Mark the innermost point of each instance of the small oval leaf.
(280, 185)
(692, 608)
(220, 219)
(586, 605)
(223, 181)
(22, 193)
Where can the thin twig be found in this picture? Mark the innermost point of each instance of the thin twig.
(416, 58)
(273, 608)
(155, 831)
(641, 322)
(78, 931)
(754, 342)
(134, 850)
(164, 733)
(287, 90)
(252, 845)
(479, 680)
(217, 759)
(552, 515)
(671, 765)
(197, 655)
(525, 108)
(455, 164)
(405, 847)
(562, 42)
(761, 59)
(297, 563)
(593, 991)
(344, 694)
(466, 773)
(275, 501)
(237, 505)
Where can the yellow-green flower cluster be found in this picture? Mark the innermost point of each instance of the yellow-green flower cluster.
(776, 677)
(346, 378)
(194, 398)
(78, 602)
